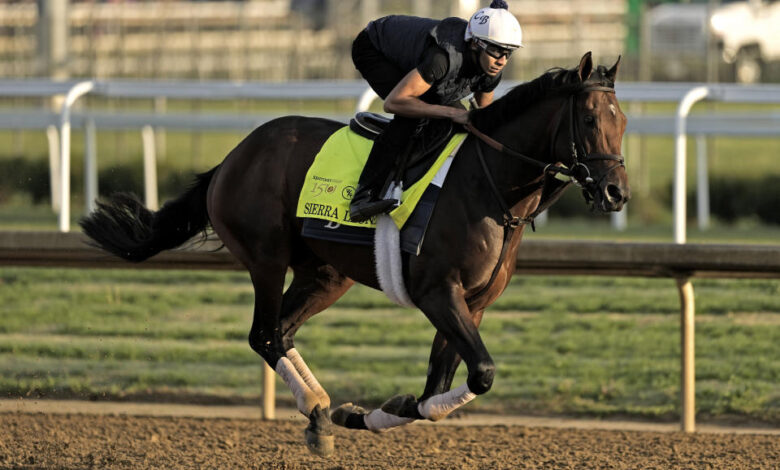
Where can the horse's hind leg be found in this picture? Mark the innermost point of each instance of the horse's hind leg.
(267, 262)
(313, 289)
(265, 338)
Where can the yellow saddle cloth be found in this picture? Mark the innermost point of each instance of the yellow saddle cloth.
(331, 180)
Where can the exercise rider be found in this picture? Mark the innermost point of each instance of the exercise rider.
(422, 68)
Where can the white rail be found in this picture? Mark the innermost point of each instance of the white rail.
(760, 124)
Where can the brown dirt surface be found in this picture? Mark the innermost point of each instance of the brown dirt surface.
(38, 440)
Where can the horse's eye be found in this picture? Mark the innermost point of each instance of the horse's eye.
(589, 119)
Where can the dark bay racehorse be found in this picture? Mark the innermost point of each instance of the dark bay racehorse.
(565, 121)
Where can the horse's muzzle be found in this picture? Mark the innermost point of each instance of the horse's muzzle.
(610, 197)
(606, 197)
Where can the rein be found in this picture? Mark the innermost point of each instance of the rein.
(511, 222)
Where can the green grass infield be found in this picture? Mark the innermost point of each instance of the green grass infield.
(582, 346)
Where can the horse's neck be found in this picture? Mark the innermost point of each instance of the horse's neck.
(520, 183)
(520, 187)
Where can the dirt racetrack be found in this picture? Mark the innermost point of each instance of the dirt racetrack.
(53, 440)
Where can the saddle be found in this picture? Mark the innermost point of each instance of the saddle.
(425, 146)
(369, 125)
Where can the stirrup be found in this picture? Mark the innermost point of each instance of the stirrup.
(360, 211)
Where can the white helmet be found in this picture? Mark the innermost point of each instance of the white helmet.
(497, 25)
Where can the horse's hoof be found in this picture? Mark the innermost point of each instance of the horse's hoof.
(404, 406)
(320, 444)
(339, 415)
(319, 433)
(395, 405)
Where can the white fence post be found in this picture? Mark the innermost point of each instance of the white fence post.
(53, 137)
(542, 219)
(90, 166)
(150, 169)
(702, 184)
(683, 109)
(74, 94)
(620, 219)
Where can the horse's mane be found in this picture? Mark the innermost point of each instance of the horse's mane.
(556, 81)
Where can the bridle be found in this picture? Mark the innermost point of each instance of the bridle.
(575, 143)
(579, 171)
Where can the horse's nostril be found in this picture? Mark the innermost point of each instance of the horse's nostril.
(614, 193)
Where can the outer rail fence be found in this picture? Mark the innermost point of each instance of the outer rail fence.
(762, 123)
(676, 261)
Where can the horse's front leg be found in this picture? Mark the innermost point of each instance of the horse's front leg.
(447, 310)
(437, 401)
(443, 363)
(401, 409)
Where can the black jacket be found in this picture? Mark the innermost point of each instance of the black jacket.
(404, 39)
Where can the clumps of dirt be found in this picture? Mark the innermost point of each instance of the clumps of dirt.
(93, 441)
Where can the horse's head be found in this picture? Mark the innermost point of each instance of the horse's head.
(571, 123)
(593, 136)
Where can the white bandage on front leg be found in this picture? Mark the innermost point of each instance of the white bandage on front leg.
(439, 406)
(379, 421)
(311, 381)
(304, 397)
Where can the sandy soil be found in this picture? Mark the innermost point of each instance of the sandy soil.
(67, 440)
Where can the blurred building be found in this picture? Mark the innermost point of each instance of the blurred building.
(269, 39)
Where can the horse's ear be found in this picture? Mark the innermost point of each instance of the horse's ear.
(586, 66)
(612, 73)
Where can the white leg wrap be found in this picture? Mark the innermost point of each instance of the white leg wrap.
(439, 406)
(379, 421)
(314, 385)
(304, 397)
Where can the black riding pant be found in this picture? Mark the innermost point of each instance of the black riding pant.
(382, 75)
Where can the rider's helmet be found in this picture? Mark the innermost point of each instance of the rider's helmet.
(495, 25)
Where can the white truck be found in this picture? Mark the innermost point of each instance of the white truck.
(748, 34)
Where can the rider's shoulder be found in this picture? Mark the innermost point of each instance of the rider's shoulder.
(449, 27)
(454, 20)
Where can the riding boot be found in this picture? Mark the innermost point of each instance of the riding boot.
(367, 204)
(367, 201)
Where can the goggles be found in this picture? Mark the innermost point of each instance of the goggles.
(494, 50)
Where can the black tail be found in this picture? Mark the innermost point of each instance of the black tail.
(124, 227)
